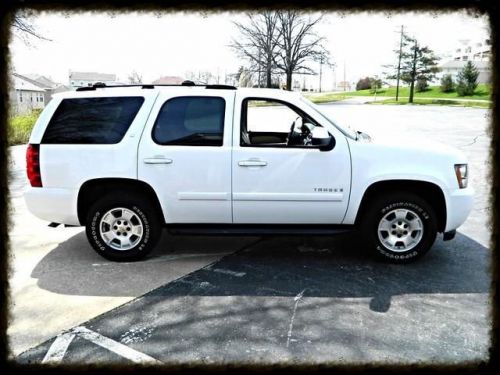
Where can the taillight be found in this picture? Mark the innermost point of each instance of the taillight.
(33, 165)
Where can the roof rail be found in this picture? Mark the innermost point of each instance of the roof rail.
(101, 85)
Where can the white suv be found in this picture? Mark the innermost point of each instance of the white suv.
(127, 161)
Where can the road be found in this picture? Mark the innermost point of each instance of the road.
(273, 300)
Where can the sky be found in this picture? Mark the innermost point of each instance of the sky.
(175, 43)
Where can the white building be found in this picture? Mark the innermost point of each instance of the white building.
(472, 51)
(453, 67)
(478, 53)
(84, 79)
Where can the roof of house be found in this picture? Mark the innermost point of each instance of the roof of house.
(41, 80)
(168, 80)
(459, 64)
(92, 76)
(24, 84)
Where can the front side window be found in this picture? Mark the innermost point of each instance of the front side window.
(92, 120)
(272, 123)
(190, 121)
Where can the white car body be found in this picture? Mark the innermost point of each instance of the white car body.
(233, 184)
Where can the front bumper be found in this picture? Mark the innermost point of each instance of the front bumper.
(458, 207)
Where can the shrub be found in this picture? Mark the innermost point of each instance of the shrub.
(375, 85)
(19, 127)
(447, 84)
(467, 80)
(364, 84)
(421, 85)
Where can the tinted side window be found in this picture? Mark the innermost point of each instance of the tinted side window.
(92, 120)
(191, 121)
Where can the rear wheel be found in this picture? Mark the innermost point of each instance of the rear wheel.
(400, 227)
(123, 229)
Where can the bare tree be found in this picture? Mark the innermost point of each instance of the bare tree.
(258, 43)
(24, 28)
(297, 44)
(134, 78)
(206, 78)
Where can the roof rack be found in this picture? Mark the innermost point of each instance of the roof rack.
(101, 85)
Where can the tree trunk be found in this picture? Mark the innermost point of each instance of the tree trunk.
(412, 87)
(289, 81)
(268, 78)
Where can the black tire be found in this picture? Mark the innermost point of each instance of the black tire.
(383, 207)
(144, 213)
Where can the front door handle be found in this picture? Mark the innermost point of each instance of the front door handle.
(252, 163)
(157, 161)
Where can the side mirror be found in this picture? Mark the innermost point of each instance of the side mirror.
(323, 139)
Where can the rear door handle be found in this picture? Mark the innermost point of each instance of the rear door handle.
(157, 161)
(252, 163)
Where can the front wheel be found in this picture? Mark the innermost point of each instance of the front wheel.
(125, 229)
(400, 227)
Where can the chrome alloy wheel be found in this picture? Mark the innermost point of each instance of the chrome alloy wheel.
(400, 230)
(121, 229)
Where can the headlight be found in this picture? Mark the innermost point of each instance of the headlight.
(462, 173)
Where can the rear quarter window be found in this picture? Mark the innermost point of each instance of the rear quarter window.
(92, 120)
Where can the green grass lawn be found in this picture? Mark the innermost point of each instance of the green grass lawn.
(483, 92)
(19, 127)
(461, 103)
(325, 97)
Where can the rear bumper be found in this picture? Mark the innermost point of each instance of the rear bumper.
(459, 205)
(53, 204)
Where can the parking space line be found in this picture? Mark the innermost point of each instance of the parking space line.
(115, 347)
(58, 349)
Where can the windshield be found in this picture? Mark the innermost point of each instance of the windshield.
(346, 131)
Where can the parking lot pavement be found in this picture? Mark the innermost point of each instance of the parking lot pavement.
(56, 275)
(300, 299)
(283, 299)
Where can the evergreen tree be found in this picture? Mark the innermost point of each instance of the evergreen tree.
(447, 84)
(421, 85)
(417, 63)
(467, 80)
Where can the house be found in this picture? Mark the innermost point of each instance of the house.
(32, 91)
(168, 80)
(84, 79)
(24, 96)
(47, 84)
(453, 67)
(343, 86)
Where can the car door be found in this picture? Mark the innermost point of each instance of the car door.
(279, 184)
(185, 154)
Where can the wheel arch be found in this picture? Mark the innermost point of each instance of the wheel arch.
(429, 191)
(92, 190)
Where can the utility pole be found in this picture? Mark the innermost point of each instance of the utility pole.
(320, 71)
(344, 83)
(413, 73)
(399, 62)
(258, 84)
